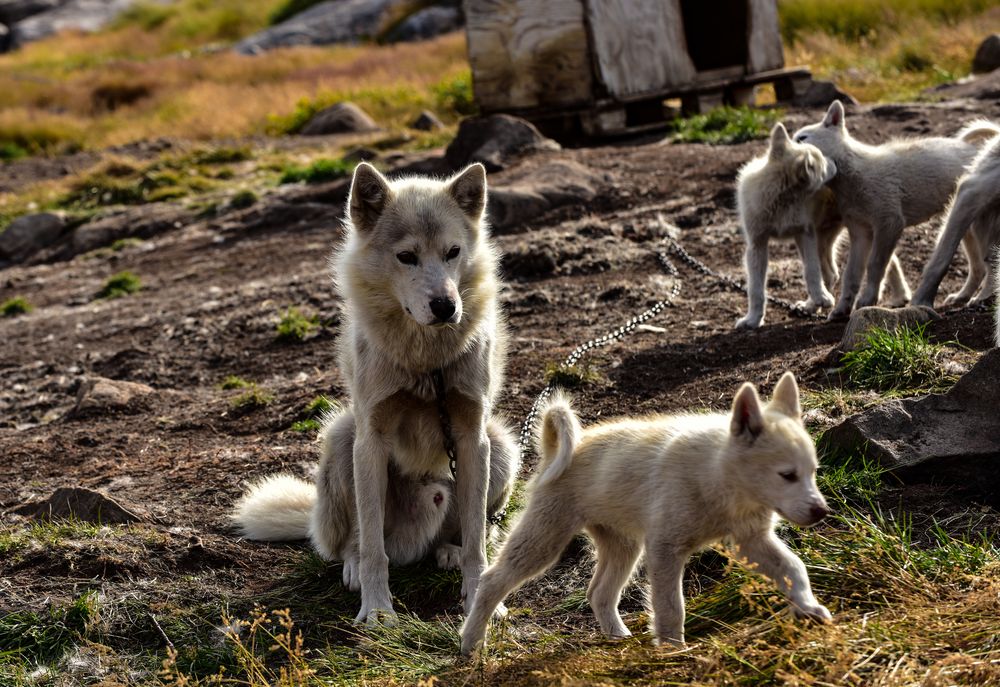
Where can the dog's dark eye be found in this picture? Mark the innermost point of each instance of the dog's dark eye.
(452, 254)
(407, 258)
(800, 138)
(789, 476)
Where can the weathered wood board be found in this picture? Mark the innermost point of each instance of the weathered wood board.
(765, 50)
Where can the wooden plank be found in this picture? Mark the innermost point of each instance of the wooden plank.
(764, 46)
(639, 45)
(528, 53)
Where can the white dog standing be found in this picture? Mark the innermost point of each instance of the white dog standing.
(880, 191)
(418, 277)
(783, 195)
(973, 219)
(669, 485)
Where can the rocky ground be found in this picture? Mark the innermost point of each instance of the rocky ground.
(579, 231)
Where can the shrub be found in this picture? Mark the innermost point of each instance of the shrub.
(891, 360)
(317, 172)
(456, 95)
(15, 306)
(121, 284)
(294, 326)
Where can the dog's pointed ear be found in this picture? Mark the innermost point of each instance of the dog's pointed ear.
(835, 115)
(368, 196)
(779, 141)
(785, 399)
(468, 188)
(748, 415)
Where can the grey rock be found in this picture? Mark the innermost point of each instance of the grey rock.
(988, 55)
(495, 141)
(6, 39)
(79, 15)
(865, 319)
(426, 121)
(102, 395)
(342, 118)
(536, 190)
(945, 438)
(29, 234)
(78, 503)
(143, 221)
(821, 94)
(335, 21)
(13, 11)
(426, 23)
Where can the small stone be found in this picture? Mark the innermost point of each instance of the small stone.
(85, 505)
(29, 234)
(426, 121)
(99, 394)
(821, 94)
(987, 56)
(342, 118)
(495, 141)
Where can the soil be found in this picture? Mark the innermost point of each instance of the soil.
(214, 289)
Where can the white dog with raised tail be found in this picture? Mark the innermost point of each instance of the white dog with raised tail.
(667, 485)
(881, 190)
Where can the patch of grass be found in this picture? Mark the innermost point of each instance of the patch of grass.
(570, 376)
(254, 397)
(725, 125)
(318, 171)
(121, 284)
(243, 199)
(288, 9)
(11, 151)
(222, 155)
(455, 95)
(312, 415)
(121, 244)
(896, 360)
(294, 327)
(234, 382)
(18, 305)
(44, 637)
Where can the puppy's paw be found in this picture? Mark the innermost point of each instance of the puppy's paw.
(669, 643)
(352, 574)
(955, 299)
(813, 611)
(449, 556)
(749, 322)
(500, 612)
(839, 313)
(374, 614)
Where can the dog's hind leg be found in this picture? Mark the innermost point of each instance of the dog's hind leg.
(755, 262)
(886, 236)
(896, 281)
(827, 242)
(809, 250)
(861, 242)
(960, 216)
(535, 543)
(616, 558)
(773, 559)
(333, 521)
(665, 566)
(977, 271)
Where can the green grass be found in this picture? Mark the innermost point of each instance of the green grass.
(456, 95)
(725, 125)
(898, 360)
(41, 637)
(121, 284)
(860, 19)
(18, 305)
(254, 397)
(570, 376)
(288, 9)
(294, 327)
(234, 382)
(11, 151)
(317, 172)
(312, 415)
(243, 199)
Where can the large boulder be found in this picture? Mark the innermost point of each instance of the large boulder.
(141, 221)
(342, 118)
(426, 23)
(78, 15)
(495, 141)
(13, 11)
(863, 320)
(334, 21)
(29, 234)
(987, 56)
(535, 190)
(951, 438)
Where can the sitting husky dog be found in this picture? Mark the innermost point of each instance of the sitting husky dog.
(880, 191)
(669, 485)
(783, 195)
(417, 273)
(974, 219)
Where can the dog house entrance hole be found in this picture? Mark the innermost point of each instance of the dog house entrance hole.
(716, 32)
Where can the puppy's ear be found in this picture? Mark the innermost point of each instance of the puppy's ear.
(779, 141)
(468, 188)
(748, 415)
(368, 196)
(786, 397)
(835, 115)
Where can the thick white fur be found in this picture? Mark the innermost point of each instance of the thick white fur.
(275, 508)
(668, 485)
(973, 218)
(880, 191)
(783, 195)
(410, 243)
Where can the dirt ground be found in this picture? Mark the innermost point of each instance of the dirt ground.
(214, 289)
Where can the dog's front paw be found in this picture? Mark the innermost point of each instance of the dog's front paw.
(669, 643)
(449, 556)
(839, 313)
(500, 612)
(376, 613)
(808, 305)
(352, 574)
(749, 322)
(955, 299)
(812, 611)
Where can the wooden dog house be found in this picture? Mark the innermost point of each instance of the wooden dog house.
(606, 66)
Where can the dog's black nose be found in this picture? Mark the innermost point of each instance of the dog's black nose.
(818, 512)
(443, 308)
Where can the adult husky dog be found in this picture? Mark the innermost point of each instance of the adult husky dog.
(669, 485)
(974, 219)
(783, 195)
(421, 330)
(880, 191)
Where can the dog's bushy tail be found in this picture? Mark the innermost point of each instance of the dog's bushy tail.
(558, 437)
(978, 131)
(276, 508)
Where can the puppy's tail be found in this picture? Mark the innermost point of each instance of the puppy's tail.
(978, 131)
(558, 438)
(276, 508)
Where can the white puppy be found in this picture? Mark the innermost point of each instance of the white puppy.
(668, 485)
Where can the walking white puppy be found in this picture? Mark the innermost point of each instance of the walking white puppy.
(880, 191)
(783, 195)
(973, 219)
(422, 350)
(669, 485)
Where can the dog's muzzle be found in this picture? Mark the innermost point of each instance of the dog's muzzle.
(443, 309)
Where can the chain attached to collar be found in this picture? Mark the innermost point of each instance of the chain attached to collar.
(449, 439)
